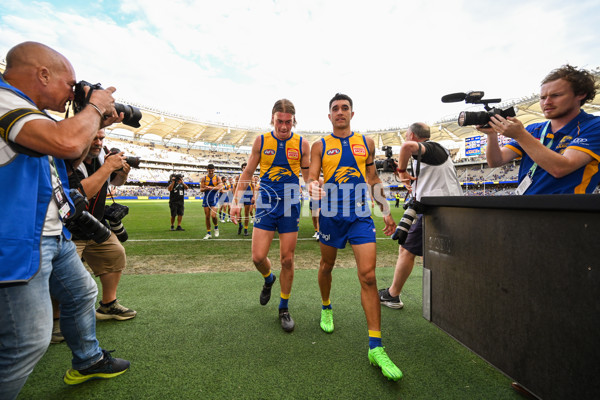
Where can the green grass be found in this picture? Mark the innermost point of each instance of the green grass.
(204, 335)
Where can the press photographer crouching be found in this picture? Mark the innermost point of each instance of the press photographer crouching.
(432, 173)
(104, 253)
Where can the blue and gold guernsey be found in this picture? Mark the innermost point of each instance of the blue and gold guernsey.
(343, 162)
(280, 167)
(278, 202)
(211, 197)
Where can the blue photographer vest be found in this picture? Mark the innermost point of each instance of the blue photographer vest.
(24, 200)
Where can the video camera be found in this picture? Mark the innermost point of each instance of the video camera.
(477, 117)
(131, 113)
(389, 164)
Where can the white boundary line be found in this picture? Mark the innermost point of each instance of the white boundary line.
(212, 239)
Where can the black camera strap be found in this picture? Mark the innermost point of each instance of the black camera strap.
(416, 172)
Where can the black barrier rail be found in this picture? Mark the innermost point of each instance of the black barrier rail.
(574, 202)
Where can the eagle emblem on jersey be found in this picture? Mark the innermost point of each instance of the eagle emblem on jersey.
(276, 173)
(344, 174)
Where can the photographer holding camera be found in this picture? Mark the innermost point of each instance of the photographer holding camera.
(107, 259)
(177, 189)
(38, 258)
(433, 175)
(562, 154)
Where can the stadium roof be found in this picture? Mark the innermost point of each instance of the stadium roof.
(168, 126)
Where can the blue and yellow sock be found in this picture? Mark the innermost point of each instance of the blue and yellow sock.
(283, 303)
(208, 232)
(216, 227)
(326, 305)
(269, 278)
(374, 339)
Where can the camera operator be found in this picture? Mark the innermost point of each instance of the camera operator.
(562, 154)
(436, 177)
(107, 259)
(38, 258)
(177, 189)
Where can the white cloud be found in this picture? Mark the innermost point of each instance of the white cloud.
(231, 60)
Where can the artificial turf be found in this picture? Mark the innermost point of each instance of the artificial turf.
(205, 336)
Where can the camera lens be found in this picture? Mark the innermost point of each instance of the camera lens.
(134, 162)
(132, 114)
(404, 225)
(466, 118)
(119, 230)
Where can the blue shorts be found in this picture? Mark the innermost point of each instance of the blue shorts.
(210, 200)
(336, 231)
(279, 217)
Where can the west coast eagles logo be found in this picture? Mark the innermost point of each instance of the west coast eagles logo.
(276, 173)
(344, 174)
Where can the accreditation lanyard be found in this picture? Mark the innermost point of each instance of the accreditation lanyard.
(58, 194)
(528, 180)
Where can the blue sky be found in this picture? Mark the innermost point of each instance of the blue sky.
(230, 61)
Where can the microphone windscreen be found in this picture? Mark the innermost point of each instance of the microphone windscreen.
(454, 97)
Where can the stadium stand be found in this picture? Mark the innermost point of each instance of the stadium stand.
(170, 143)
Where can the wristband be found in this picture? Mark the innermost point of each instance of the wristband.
(400, 170)
(97, 109)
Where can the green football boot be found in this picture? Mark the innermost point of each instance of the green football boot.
(379, 358)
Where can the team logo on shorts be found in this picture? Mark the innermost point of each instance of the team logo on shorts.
(344, 174)
(359, 150)
(276, 173)
(333, 152)
(269, 152)
(293, 154)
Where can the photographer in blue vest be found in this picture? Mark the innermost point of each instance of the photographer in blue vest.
(38, 257)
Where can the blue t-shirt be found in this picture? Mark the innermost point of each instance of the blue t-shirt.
(582, 133)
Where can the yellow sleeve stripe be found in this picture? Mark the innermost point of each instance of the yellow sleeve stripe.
(513, 148)
(587, 151)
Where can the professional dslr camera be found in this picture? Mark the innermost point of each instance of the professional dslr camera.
(389, 164)
(82, 224)
(134, 162)
(132, 114)
(477, 117)
(176, 177)
(412, 207)
(114, 213)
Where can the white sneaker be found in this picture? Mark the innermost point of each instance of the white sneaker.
(316, 235)
(216, 233)
(207, 236)
(222, 219)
